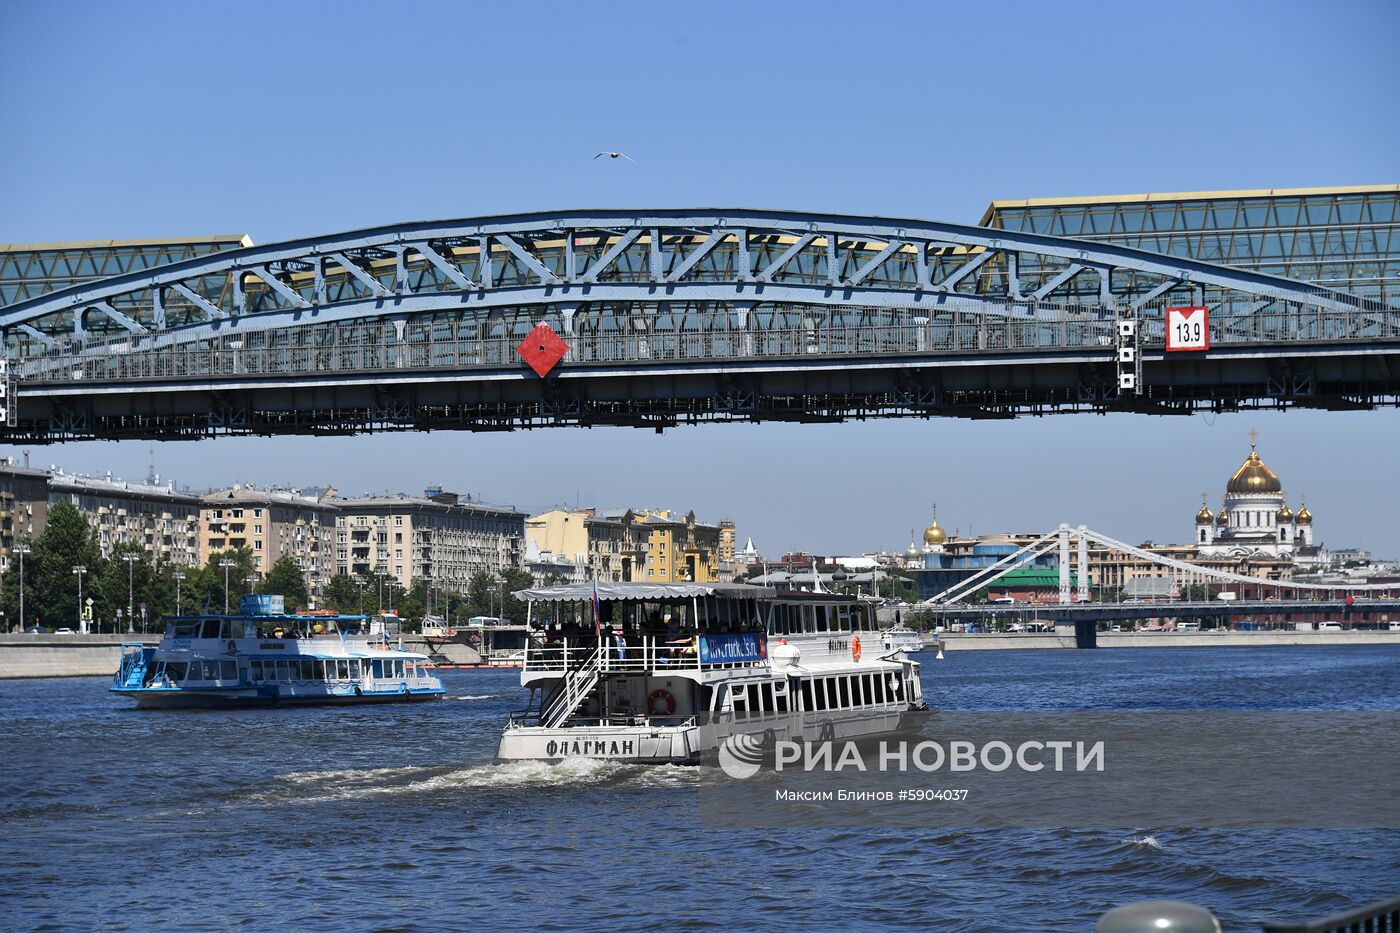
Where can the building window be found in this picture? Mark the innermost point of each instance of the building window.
(398, 521)
(257, 545)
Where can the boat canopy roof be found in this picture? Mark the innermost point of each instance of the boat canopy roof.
(647, 592)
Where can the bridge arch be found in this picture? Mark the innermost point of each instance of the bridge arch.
(670, 316)
(477, 266)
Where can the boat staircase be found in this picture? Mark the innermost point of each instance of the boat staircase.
(575, 688)
(135, 661)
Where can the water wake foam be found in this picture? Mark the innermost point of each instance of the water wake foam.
(350, 784)
(1146, 842)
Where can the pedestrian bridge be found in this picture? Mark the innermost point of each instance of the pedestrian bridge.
(671, 317)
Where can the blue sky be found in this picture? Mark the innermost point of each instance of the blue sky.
(279, 120)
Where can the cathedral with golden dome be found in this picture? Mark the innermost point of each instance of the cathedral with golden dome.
(1254, 517)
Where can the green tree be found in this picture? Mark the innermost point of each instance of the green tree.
(343, 594)
(119, 585)
(512, 579)
(50, 586)
(483, 594)
(206, 586)
(285, 580)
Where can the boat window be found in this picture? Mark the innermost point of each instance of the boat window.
(844, 691)
(176, 669)
(255, 670)
(211, 628)
(377, 667)
(896, 688)
(880, 689)
(755, 702)
(817, 613)
(228, 670)
(843, 618)
(832, 701)
(398, 668)
(780, 698)
(807, 695)
(738, 700)
(342, 670)
(185, 629)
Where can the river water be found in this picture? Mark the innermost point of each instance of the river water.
(391, 818)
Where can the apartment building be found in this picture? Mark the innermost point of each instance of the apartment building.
(439, 537)
(162, 520)
(273, 523)
(24, 506)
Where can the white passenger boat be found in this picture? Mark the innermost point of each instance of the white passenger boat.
(263, 657)
(666, 672)
(900, 637)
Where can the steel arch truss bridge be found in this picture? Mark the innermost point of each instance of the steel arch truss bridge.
(671, 317)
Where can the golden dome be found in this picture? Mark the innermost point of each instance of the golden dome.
(1253, 477)
(935, 535)
(1304, 516)
(1203, 517)
(1285, 514)
(1222, 517)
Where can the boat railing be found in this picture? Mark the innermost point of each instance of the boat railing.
(631, 654)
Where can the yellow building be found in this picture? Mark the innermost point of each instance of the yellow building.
(560, 532)
(646, 545)
(680, 549)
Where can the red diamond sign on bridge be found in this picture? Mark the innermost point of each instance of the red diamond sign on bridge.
(542, 349)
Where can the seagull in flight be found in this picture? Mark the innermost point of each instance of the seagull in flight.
(614, 155)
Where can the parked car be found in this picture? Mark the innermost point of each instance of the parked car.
(64, 631)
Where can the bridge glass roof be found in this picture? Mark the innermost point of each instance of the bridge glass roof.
(1341, 238)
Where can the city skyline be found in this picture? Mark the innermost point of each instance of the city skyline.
(890, 502)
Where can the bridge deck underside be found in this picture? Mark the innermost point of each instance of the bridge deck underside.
(660, 394)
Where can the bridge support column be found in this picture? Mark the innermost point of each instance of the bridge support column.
(1064, 564)
(743, 309)
(566, 314)
(400, 350)
(1086, 633)
(1083, 564)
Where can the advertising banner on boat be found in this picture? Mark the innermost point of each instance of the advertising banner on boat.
(253, 604)
(738, 646)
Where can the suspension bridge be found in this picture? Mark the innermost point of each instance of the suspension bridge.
(658, 318)
(1193, 591)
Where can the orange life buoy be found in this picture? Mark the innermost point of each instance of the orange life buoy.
(661, 703)
(855, 648)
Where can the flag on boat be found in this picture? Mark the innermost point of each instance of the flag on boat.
(597, 611)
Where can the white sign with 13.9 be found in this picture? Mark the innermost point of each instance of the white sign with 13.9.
(1188, 328)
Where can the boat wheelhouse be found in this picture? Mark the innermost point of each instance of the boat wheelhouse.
(666, 672)
(263, 657)
(900, 637)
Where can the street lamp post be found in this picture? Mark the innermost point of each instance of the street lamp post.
(226, 564)
(131, 560)
(360, 585)
(78, 571)
(21, 550)
(179, 577)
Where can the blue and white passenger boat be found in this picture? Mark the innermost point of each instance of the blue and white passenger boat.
(667, 672)
(266, 657)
